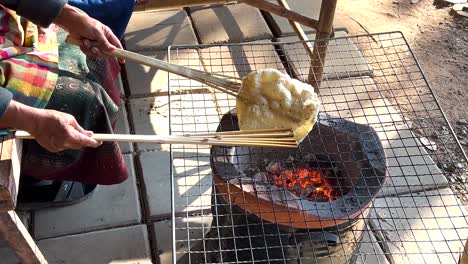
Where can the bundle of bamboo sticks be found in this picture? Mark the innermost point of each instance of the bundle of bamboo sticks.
(281, 138)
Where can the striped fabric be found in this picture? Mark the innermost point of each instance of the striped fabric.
(28, 59)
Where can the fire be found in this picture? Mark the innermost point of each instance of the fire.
(301, 179)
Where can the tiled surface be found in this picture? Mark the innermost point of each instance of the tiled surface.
(7, 255)
(150, 117)
(122, 127)
(343, 59)
(189, 233)
(127, 245)
(409, 166)
(281, 27)
(190, 113)
(231, 23)
(119, 84)
(194, 113)
(358, 100)
(154, 30)
(144, 80)
(424, 227)
(109, 206)
(192, 176)
(238, 61)
(369, 251)
(25, 217)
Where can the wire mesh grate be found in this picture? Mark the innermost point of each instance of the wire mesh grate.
(378, 147)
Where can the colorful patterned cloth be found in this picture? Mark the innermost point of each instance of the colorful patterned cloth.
(42, 71)
(28, 59)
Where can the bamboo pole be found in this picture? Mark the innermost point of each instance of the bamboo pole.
(299, 31)
(283, 12)
(172, 4)
(324, 31)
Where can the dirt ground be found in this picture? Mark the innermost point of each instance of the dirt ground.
(440, 44)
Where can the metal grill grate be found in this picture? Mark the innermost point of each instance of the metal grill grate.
(372, 82)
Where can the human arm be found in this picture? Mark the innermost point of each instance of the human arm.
(55, 131)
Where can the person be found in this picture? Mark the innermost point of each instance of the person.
(61, 95)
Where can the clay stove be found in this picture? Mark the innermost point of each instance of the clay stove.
(306, 205)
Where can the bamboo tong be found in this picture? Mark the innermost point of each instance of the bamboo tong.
(227, 84)
(283, 138)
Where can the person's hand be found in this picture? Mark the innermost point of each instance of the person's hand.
(57, 131)
(87, 29)
(54, 130)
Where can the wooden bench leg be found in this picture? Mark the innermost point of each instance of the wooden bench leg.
(19, 239)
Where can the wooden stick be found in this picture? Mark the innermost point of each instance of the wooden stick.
(283, 12)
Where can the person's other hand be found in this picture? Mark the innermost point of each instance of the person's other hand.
(87, 29)
(57, 131)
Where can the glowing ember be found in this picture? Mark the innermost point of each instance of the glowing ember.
(303, 181)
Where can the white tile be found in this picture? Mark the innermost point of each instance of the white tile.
(145, 80)
(232, 23)
(190, 113)
(427, 227)
(192, 180)
(410, 168)
(281, 27)
(119, 83)
(158, 30)
(238, 61)
(194, 113)
(109, 206)
(7, 254)
(343, 58)
(358, 100)
(150, 116)
(190, 232)
(127, 245)
(122, 127)
(25, 217)
(369, 251)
